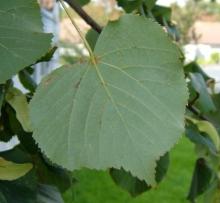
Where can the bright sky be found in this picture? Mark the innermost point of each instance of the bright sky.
(168, 2)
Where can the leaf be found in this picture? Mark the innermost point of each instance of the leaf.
(150, 3)
(201, 179)
(48, 194)
(192, 132)
(19, 103)
(193, 67)
(22, 42)
(82, 2)
(162, 13)
(1, 97)
(205, 101)
(129, 5)
(214, 117)
(135, 186)
(92, 37)
(128, 182)
(22, 190)
(52, 175)
(118, 112)
(209, 129)
(11, 171)
(27, 81)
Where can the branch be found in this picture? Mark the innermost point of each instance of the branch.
(76, 7)
(196, 112)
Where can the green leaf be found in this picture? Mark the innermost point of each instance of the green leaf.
(11, 171)
(128, 182)
(82, 2)
(192, 132)
(52, 175)
(150, 3)
(214, 117)
(117, 112)
(22, 42)
(193, 67)
(209, 129)
(27, 81)
(92, 37)
(48, 56)
(1, 97)
(135, 186)
(162, 13)
(22, 190)
(201, 179)
(129, 5)
(48, 194)
(205, 101)
(19, 103)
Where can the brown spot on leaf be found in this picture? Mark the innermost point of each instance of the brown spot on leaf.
(48, 81)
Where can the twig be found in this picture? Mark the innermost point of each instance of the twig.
(194, 99)
(76, 7)
(92, 57)
(196, 112)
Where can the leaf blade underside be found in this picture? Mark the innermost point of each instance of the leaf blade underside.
(126, 111)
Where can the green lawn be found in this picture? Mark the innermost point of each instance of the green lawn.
(97, 187)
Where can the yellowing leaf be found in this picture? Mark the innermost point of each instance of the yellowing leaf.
(19, 102)
(11, 171)
(209, 129)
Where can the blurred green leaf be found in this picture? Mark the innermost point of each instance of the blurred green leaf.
(192, 132)
(1, 97)
(22, 190)
(19, 103)
(162, 13)
(209, 129)
(214, 117)
(201, 179)
(204, 101)
(132, 184)
(82, 2)
(92, 37)
(48, 56)
(150, 3)
(128, 182)
(52, 175)
(48, 194)
(27, 81)
(129, 5)
(193, 67)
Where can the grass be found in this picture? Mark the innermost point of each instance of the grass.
(97, 187)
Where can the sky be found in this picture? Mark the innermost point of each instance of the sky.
(168, 2)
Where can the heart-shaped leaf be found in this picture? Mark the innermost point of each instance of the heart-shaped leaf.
(22, 42)
(124, 111)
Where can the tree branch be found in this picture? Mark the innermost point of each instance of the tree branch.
(76, 7)
(196, 112)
